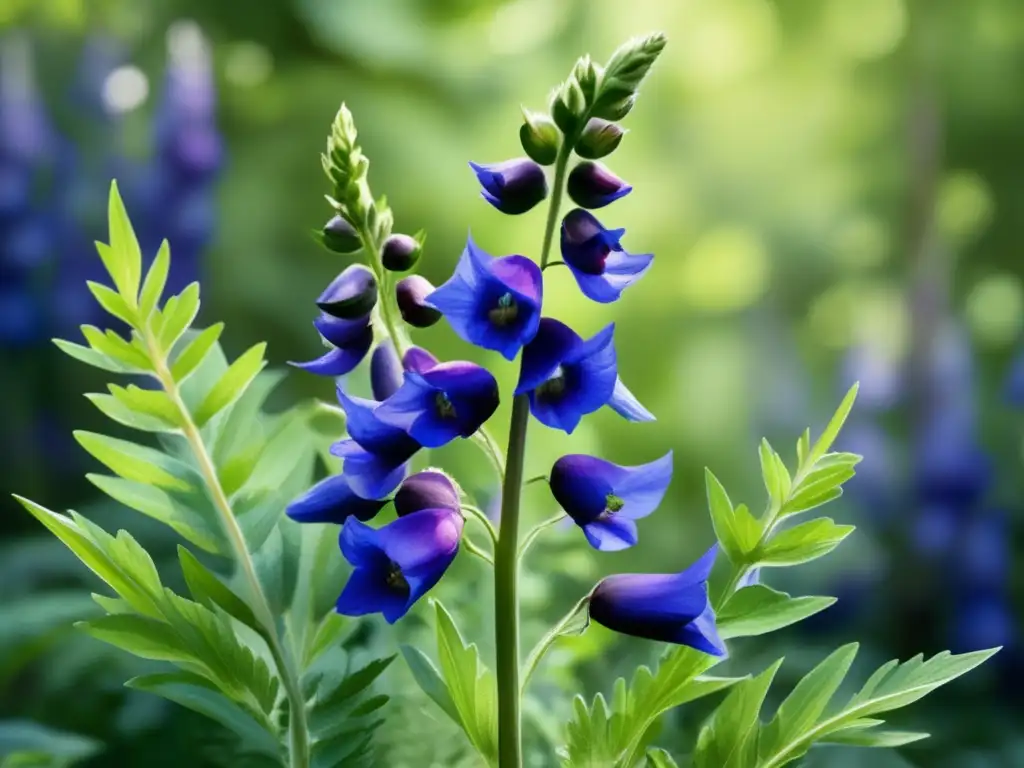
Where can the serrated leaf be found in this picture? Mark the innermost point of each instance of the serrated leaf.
(184, 518)
(737, 530)
(803, 543)
(332, 706)
(758, 609)
(111, 302)
(232, 384)
(831, 431)
(156, 279)
(194, 353)
(135, 462)
(178, 314)
(127, 256)
(154, 403)
(210, 591)
(471, 685)
(196, 693)
(93, 357)
(139, 635)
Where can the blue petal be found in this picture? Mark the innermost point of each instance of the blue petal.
(332, 500)
(403, 408)
(339, 361)
(643, 487)
(420, 540)
(553, 342)
(632, 602)
(371, 476)
(596, 366)
(621, 271)
(369, 431)
(702, 634)
(700, 570)
(555, 413)
(418, 360)
(611, 534)
(367, 592)
(581, 485)
(341, 333)
(360, 544)
(624, 403)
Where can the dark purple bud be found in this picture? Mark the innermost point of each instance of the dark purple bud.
(514, 186)
(412, 292)
(540, 137)
(426, 490)
(591, 185)
(351, 294)
(400, 253)
(385, 371)
(599, 138)
(340, 236)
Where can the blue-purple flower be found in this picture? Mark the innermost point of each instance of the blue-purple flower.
(350, 341)
(385, 371)
(429, 489)
(607, 499)
(332, 500)
(439, 403)
(375, 453)
(514, 186)
(603, 270)
(492, 302)
(671, 608)
(568, 377)
(351, 295)
(592, 185)
(399, 563)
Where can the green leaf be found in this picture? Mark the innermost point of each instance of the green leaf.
(26, 737)
(156, 279)
(195, 352)
(805, 542)
(178, 314)
(187, 519)
(332, 705)
(141, 636)
(831, 431)
(154, 403)
(803, 448)
(774, 472)
(113, 346)
(127, 257)
(729, 737)
(659, 758)
(111, 302)
(736, 529)
(114, 409)
(232, 384)
(135, 462)
(430, 681)
(93, 357)
(331, 629)
(758, 609)
(194, 692)
(471, 685)
(862, 737)
(210, 591)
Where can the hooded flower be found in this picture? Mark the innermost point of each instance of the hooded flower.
(592, 185)
(429, 489)
(606, 499)
(436, 404)
(385, 371)
(332, 500)
(493, 303)
(399, 563)
(595, 257)
(514, 186)
(568, 377)
(671, 608)
(350, 339)
(375, 453)
(351, 295)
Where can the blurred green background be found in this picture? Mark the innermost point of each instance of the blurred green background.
(833, 191)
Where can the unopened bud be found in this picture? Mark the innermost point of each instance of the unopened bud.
(400, 253)
(412, 293)
(599, 138)
(340, 236)
(540, 137)
(351, 294)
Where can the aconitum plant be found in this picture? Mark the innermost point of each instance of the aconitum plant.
(255, 644)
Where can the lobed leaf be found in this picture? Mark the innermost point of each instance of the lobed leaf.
(803, 543)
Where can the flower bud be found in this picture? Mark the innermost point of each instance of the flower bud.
(587, 74)
(540, 137)
(400, 253)
(599, 138)
(592, 185)
(340, 236)
(385, 371)
(412, 292)
(426, 490)
(514, 186)
(351, 294)
(568, 106)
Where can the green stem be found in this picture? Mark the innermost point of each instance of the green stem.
(552, 635)
(506, 602)
(561, 164)
(298, 728)
(478, 551)
(536, 531)
(481, 518)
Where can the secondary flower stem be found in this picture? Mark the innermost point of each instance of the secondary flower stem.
(506, 601)
(561, 164)
(299, 728)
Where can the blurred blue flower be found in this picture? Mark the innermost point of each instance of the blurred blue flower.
(513, 186)
(567, 377)
(594, 255)
(671, 608)
(397, 564)
(332, 500)
(606, 499)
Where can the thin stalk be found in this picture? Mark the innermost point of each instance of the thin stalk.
(480, 552)
(506, 601)
(557, 187)
(298, 726)
(542, 647)
(536, 531)
(480, 517)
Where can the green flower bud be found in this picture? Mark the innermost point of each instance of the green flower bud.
(339, 236)
(599, 138)
(540, 137)
(568, 107)
(587, 74)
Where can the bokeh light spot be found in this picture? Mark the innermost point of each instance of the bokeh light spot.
(725, 270)
(247, 64)
(865, 29)
(964, 205)
(125, 89)
(995, 309)
(725, 40)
